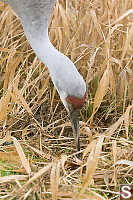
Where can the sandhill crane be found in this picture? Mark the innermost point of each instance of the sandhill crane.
(34, 16)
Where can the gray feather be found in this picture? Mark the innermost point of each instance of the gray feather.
(34, 16)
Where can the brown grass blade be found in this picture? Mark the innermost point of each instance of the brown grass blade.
(22, 156)
(128, 12)
(96, 24)
(62, 162)
(127, 42)
(11, 178)
(52, 99)
(7, 138)
(92, 163)
(114, 151)
(40, 153)
(122, 84)
(124, 162)
(89, 147)
(96, 196)
(126, 120)
(20, 100)
(10, 69)
(32, 179)
(101, 91)
(54, 179)
(44, 88)
(10, 157)
(111, 130)
(4, 102)
(112, 82)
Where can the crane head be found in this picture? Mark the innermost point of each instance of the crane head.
(73, 105)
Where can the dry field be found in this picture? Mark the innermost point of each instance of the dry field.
(37, 149)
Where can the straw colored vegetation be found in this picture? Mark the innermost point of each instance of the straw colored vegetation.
(37, 149)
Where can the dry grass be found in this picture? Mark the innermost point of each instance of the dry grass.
(41, 163)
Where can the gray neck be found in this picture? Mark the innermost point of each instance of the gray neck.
(34, 16)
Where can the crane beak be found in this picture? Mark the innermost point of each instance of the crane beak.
(74, 117)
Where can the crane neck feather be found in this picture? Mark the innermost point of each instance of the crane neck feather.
(34, 16)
